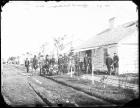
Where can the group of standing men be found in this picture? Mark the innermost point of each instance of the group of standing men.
(72, 63)
(112, 64)
(39, 63)
(34, 63)
(63, 63)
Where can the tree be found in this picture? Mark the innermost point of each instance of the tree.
(58, 43)
(12, 58)
(42, 48)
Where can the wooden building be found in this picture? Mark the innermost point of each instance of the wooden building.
(122, 40)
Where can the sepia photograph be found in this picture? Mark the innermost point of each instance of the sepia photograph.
(69, 53)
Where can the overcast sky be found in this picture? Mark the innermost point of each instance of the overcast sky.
(27, 25)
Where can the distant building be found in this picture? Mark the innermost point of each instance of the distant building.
(122, 40)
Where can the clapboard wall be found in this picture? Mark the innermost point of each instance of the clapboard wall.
(128, 53)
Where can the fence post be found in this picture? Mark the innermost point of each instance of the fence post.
(92, 74)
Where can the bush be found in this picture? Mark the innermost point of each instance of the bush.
(131, 93)
(134, 81)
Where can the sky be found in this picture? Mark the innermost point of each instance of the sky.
(26, 25)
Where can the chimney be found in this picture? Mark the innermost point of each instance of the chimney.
(111, 22)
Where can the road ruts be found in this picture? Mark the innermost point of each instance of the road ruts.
(49, 95)
(16, 91)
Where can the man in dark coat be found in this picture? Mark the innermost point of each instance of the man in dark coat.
(41, 63)
(60, 63)
(52, 61)
(81, 63)
(35, 63)
(116, 63)
(46, 63)
(65, 63)
(109, 62)
(86, 62)
(71, 64)
(27, 64)
(77, 64)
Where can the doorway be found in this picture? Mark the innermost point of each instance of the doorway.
(89, 55)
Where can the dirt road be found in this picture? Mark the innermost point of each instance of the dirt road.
(16, 90)
(22, 89)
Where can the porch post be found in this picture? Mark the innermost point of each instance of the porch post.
(92, 69)
(93, 75)
(71, 72)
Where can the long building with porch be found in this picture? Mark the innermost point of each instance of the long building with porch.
(122, 40)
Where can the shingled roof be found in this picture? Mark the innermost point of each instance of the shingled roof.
(110, 36)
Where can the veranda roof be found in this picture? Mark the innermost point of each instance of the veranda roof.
(109, 36)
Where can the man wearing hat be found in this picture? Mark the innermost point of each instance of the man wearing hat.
(27, 64)
(86, 63)
(60, 63)
(65, 63)
(35, 63)
(46, 63)
(109, 62)
(116, 63)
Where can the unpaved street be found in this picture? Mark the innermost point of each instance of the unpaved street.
(16, 90)
(22, 89)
